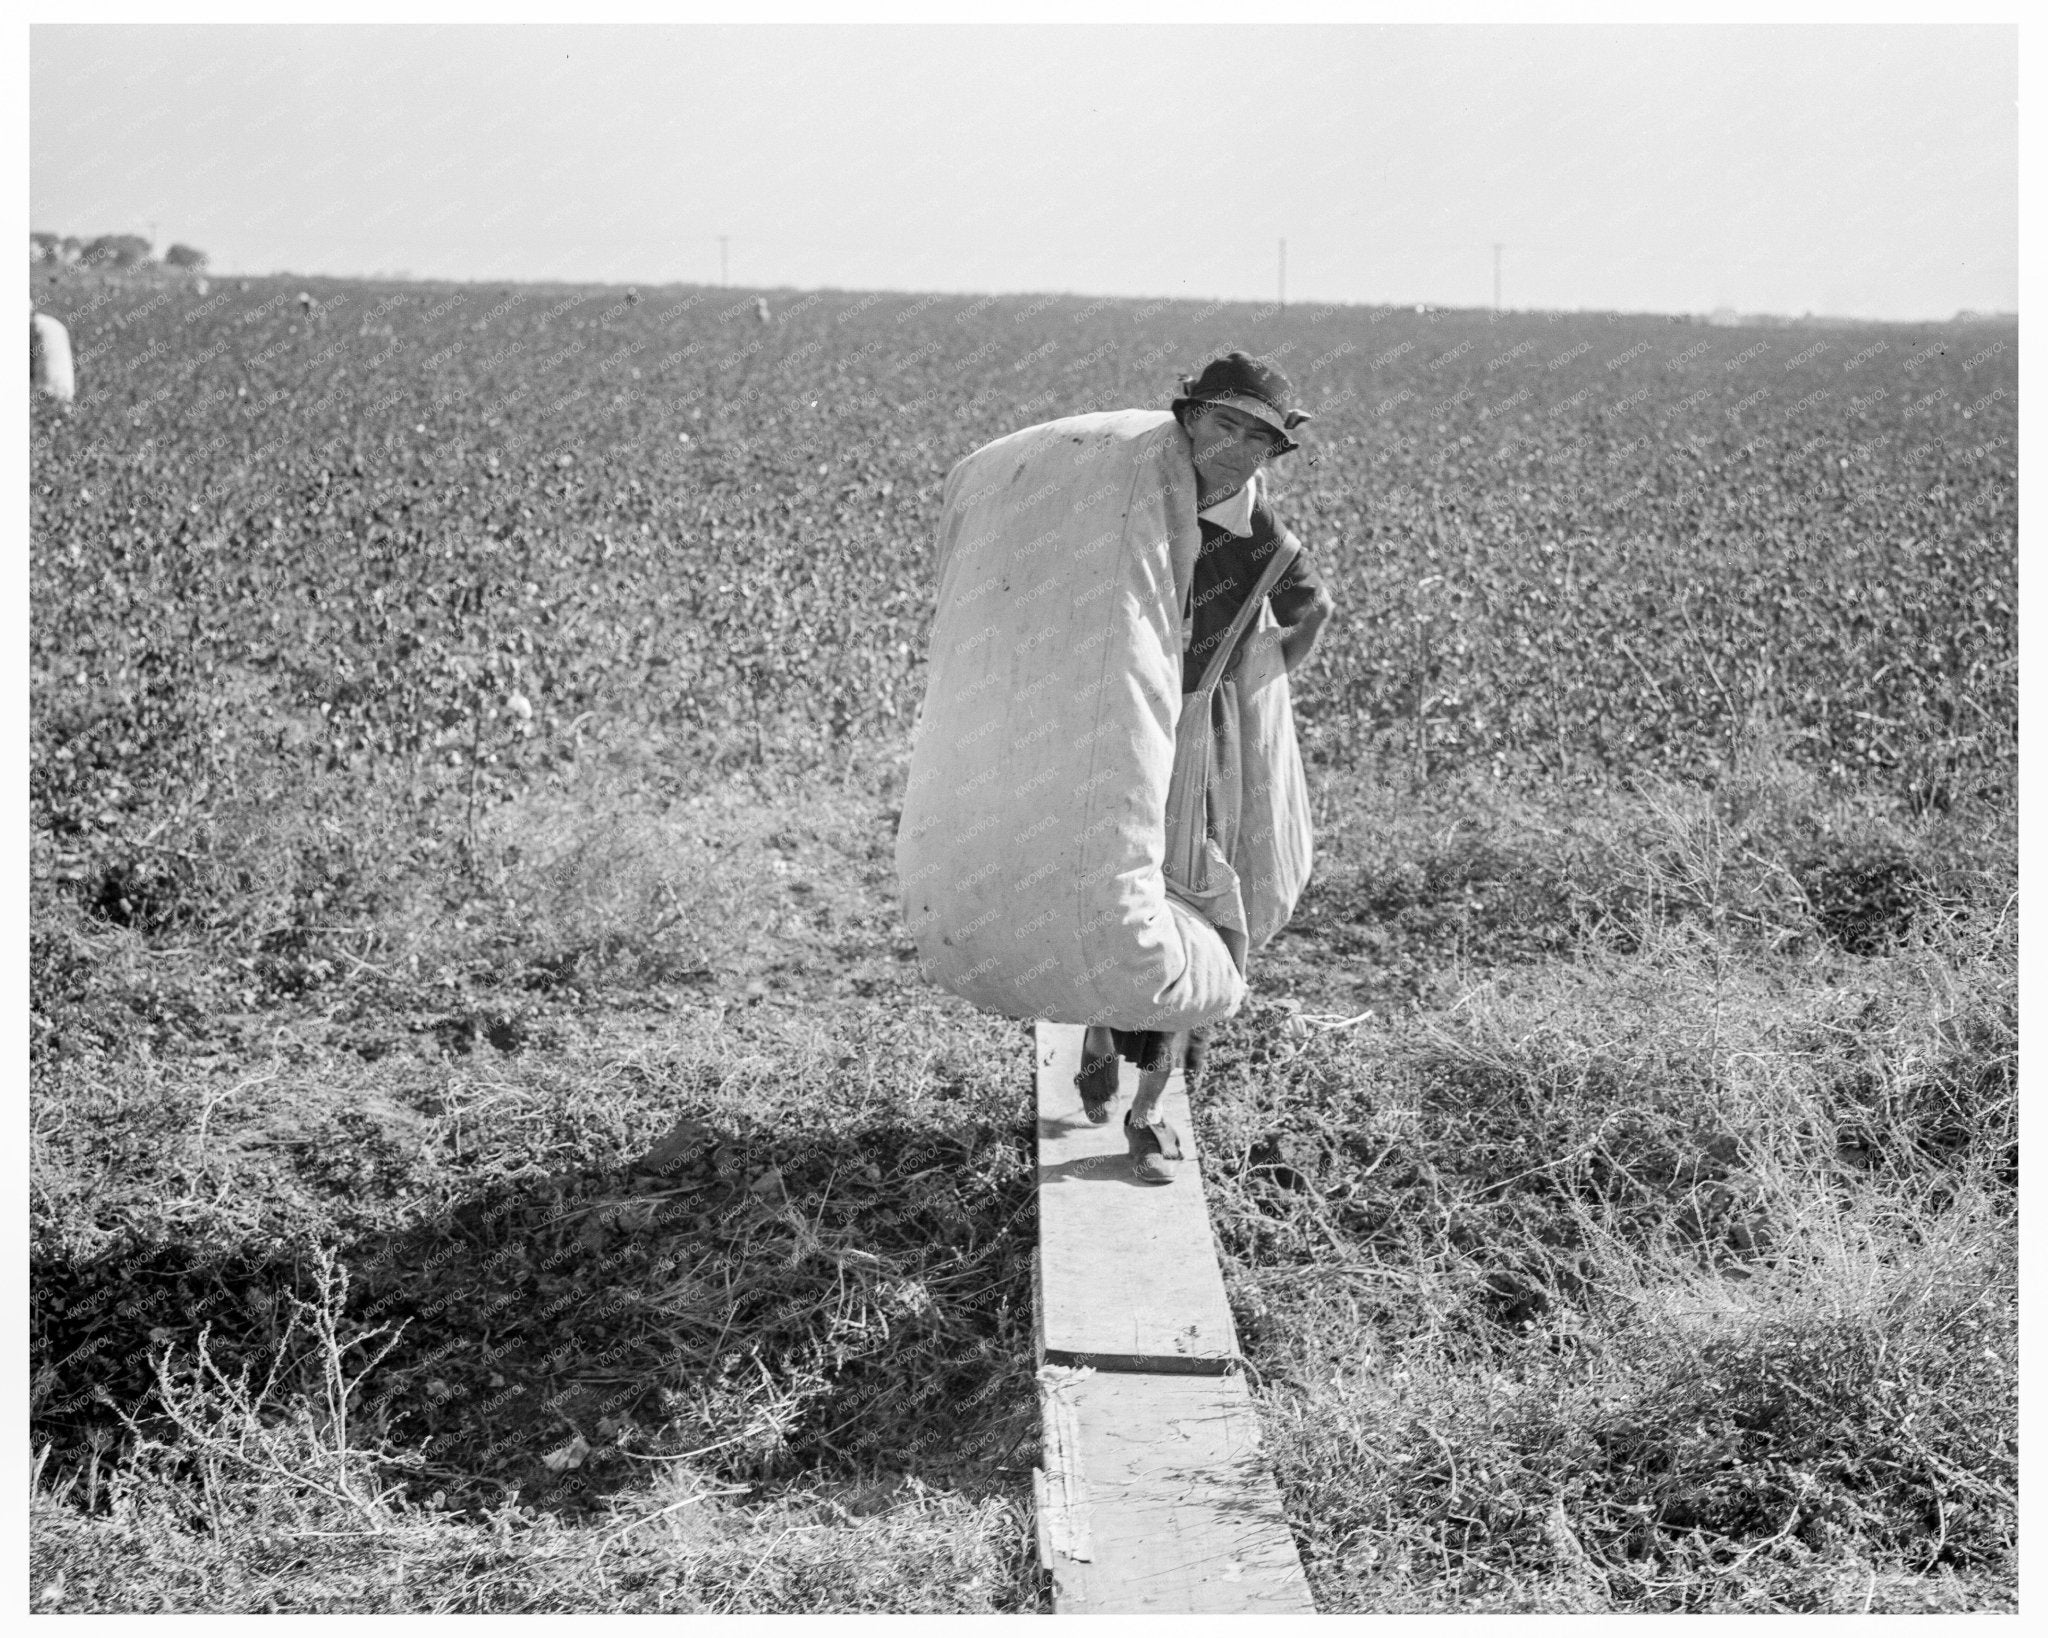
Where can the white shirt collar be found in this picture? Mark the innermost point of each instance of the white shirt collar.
(1233, 513)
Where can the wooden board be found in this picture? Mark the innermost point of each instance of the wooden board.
(1128, 1278)
(1153, 1498)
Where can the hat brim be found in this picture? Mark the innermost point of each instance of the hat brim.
(1256, 407)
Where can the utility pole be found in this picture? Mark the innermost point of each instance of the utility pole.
(1496, 275)
(721, 260)
(1283, 272)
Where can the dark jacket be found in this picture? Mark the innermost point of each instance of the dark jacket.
(1225, 572)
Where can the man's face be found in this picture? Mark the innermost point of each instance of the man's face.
(1228, 446)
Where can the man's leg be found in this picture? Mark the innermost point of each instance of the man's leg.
(1152, 1081)
(1098, 1077)
(1156, 1151)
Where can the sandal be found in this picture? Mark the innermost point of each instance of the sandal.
(1097, 1082)
(1156, 1152)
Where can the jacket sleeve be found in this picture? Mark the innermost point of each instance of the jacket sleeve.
(1300, 588)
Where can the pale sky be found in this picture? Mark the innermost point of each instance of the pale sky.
(1870, 172)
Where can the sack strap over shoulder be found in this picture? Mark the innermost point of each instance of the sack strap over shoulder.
(1212, 674)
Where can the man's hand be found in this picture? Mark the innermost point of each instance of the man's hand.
(1298, 640)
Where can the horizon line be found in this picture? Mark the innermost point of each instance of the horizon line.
(402, 276)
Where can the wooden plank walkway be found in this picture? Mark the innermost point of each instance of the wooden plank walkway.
(1152, 1494)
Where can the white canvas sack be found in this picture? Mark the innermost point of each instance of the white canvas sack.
(49, 358)
(1238, 835)
(1276, 836)
(1033, 831)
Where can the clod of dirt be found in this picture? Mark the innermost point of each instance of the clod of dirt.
(459, 1033)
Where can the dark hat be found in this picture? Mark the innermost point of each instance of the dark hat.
(1249, 384)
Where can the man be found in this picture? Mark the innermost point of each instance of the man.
(1237, 415)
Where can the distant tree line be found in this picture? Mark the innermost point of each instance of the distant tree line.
(109, 250)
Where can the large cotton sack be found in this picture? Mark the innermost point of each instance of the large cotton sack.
(49, 358)
(1238, 836)
(1276, 842)
(1033, 827)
